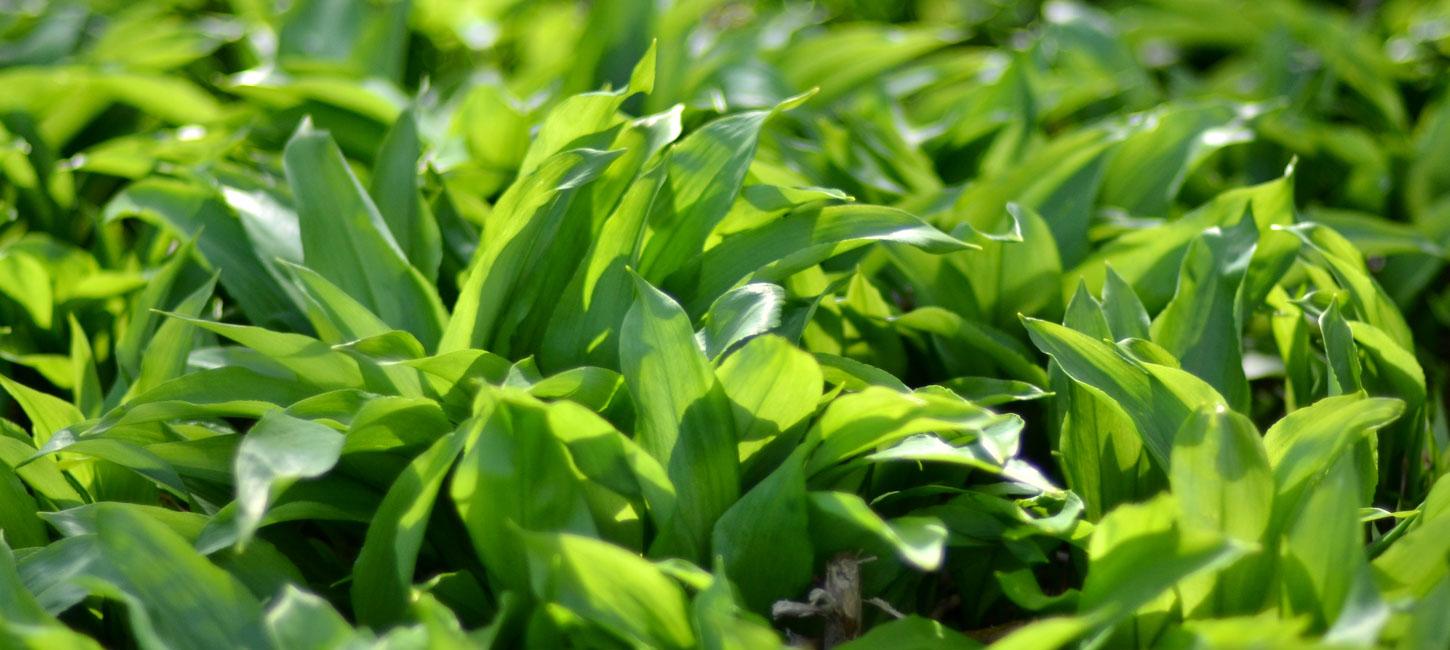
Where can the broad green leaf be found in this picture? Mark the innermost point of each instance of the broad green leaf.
(585, 326)
(519, 230)
(394, 189)
(911, 633)
(142, 317)
(704, 175)
(721, 623)
(1002, 351)
(1222, 484)
(16, 604)
(188, 602)
(1148, 258)
(842, 521)
(1412, 565)
(1008, 277)
(346, 240)
(781, 248)
(865, 421)
(383, 574)
(1150, 166)
(166, 356)
(685, 419)
(1137, 554)
(278, 449)
(24, 279)
(334, 315)
(312, 361)
(86, 382)
(199, 213)
(609, 586)
(297, 619)
(741, 313)
(235, 391)
(47, 413)
(771, 385)
(1307, 443)
(17, 512)
(42, 475)
(1158, 399)
(1203, 324)
(989, 391)
(1121, 308)
(764, 539)
(607, 457)
(1370, 302)
(1058, 181)
(585, 115)
(517, 476)
(1321, 552)
(1340, 351)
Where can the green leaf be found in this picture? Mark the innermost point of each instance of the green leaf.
(772, 387)
(297, 619)
(1121, 308)
(741, 313)
(178, 595)
(278, 449)
(345, 239)
(989, 391)
(311, 360)
(764, 539)
(1150, 166)
(24, 280)
(199, 213)
(383, 574)
(609, 586)
(170, 347)
(86, 384)
(515, 476)
(394, 189)
(1148, 258)
(860, 422)
(1370, 302)
(1222, 484)
(781, 248)
(842, 521)
(1412, 566)
(1203, 324)
(47, 413)
(1157, 399)
(1340, 351)
(1321, 553)
(1005, 352)
(685, 419)
(334, 315)
(911, 633)
(705, 172)
(519, 230)
(1307, 443)
(585, 326)
(17, 512)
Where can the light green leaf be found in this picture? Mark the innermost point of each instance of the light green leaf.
(278, 449)
(518, 231)
(764, 539)
(741, 313)
(345, 239)
(383, 574)
(609, 586)
(684, 415)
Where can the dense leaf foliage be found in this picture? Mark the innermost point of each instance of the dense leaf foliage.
(625, 323)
